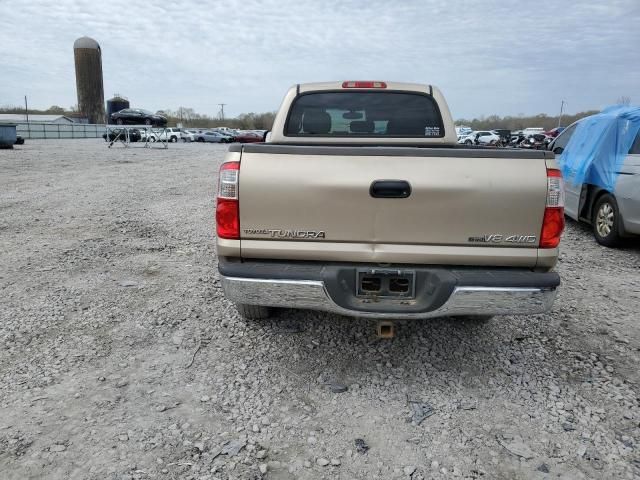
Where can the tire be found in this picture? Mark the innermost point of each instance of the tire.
(201, 139)
(606, 221)
(253, 312)
(152, 139)
(119, 121)
(173, 139)
(468, 142)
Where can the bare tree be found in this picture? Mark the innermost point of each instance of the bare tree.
(55, 109)
(624, 100)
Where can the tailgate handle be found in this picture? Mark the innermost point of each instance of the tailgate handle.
(390, 189)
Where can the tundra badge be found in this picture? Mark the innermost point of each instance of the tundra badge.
(282, 233)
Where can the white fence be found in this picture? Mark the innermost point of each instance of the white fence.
(59, 130)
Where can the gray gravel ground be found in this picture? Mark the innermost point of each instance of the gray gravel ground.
(120, 358)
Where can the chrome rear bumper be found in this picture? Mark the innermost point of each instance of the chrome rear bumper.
(464, 300)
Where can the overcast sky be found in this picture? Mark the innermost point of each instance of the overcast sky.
(487, 56)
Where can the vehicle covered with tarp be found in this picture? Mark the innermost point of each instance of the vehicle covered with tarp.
(600, 160)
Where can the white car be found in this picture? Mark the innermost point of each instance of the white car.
(172, 134)
(160, 134)
(188, 135)
(166, 134)
(463, 132)
(480, 138)
(150, 134)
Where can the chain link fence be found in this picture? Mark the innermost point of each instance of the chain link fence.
(59, 130)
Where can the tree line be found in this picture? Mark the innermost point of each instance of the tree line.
(521, 122)
(52, 110)
(188, 117)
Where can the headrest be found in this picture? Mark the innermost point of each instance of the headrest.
(362, 126)
(316, 121)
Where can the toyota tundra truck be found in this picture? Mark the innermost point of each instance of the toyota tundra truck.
(361, 203)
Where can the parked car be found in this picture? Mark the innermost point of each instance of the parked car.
(147, 134)
(516, 139)
(536, 141)
(533, 131)
(463, 131)
(466, 139)
(248, 137)
(188, 136)
(480, 138)
(504, 134)
(212, 137)
(230, 137)
(138, 116)
(172, 134)
(227, 132)
(120, 135)
(613, 213)
(397, 233)
(165, 135)
(554, 132)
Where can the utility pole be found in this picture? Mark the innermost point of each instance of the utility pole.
(26, 112)
(222, 111)
(560, 118)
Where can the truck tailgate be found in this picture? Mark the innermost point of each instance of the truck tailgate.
(465, 206)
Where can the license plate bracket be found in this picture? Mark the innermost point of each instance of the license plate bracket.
(385, 283)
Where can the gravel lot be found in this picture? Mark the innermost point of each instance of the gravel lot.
(120, 358)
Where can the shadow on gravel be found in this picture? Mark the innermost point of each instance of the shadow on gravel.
(448, 350)
(631, 244)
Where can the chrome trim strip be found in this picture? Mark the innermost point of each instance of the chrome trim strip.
(311, 294)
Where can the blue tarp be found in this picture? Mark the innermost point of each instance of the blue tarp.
(599, 145)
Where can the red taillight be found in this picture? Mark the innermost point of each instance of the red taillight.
(552, 227)
(361, 84)
(228, 204)
(553, 221)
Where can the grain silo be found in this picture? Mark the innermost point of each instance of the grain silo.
(115, 104)
(88, 57)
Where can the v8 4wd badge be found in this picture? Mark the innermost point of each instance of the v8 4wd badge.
(498, 238)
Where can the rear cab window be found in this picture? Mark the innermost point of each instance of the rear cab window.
(364, 114)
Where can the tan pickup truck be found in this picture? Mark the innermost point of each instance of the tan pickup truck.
(361, 203)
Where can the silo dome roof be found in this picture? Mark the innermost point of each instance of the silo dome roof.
(86, 42)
